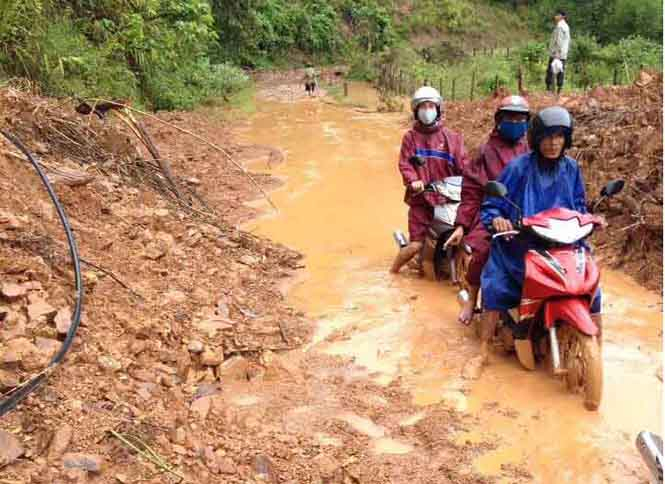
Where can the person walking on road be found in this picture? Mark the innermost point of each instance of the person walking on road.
(559, 44)
(310, 79)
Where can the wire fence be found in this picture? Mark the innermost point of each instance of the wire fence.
(478, 82)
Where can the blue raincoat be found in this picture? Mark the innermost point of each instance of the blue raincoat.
(534, 186)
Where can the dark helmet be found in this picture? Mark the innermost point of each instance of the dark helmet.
(547, 122)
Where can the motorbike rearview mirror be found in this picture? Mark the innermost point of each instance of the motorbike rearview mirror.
(496, 189)
(651, 449)
(416, 160)
(612, 188)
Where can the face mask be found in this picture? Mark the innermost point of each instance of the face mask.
(512, 131)
(427, 116)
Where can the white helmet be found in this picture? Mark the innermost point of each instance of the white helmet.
(424, 94)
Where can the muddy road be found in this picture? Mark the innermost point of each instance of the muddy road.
(339, 204)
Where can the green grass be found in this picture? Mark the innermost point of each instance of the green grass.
(454, 80)
(336, 92)
(240, 106)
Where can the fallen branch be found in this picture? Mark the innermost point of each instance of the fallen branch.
(200, 138)
(146, 452)
(258, 349)
(58, 175)
(114, 277)
(142, 134)
(628, 227)
(282, 331)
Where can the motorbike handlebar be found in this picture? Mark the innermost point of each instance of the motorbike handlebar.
(505, 234)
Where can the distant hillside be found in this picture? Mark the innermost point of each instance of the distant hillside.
(176, 54)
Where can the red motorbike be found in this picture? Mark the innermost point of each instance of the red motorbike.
(553, 321)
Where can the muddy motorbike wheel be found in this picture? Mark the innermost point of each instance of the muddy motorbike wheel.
(546, 354)
(584, 363)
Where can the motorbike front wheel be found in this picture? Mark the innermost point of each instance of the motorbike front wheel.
(583, 360)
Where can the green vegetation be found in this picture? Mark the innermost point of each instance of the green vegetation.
(177, 54)
(591, 64)
(611, 41)
(607, 20)
(156, 51)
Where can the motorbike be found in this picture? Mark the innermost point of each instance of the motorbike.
(437, 261)
(650, 447)
(553, 320)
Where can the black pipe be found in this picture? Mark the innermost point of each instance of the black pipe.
(15, 397)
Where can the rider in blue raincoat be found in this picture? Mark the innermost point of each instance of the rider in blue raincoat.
(536, 181)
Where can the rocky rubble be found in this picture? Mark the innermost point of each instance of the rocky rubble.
(204, 305)
(620, 135)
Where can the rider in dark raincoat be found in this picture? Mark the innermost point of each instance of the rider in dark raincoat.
(539, 180)
(506, 142)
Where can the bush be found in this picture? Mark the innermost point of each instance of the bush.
(533, 59)
(607, 20)
(195, 83)
(65, 63)
(584, 50)
(370, 23)
(633, 52)
(634, 17)
(439, 15)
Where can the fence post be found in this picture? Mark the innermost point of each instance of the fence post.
(520, 79)
(346, 89)
(474, 52)
(507, 51)
(452, 95)
(473, 83)
(615, 81)
(441, 85)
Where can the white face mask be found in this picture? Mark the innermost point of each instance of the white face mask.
(427, 116)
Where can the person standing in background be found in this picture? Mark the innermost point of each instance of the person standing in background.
(559, 44)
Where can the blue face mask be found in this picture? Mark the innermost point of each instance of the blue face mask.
(512, 131)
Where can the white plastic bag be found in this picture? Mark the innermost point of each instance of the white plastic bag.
(556, 66)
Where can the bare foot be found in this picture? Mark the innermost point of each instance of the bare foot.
(466, 314)
(474, 368)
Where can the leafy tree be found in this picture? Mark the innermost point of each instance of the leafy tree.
(626, 18)
(371, 23)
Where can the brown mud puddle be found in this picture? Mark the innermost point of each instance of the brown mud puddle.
(341, 200)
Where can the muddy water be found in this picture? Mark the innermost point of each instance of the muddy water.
(340, 202)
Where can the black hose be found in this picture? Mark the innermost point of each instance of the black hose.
(14, 398)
